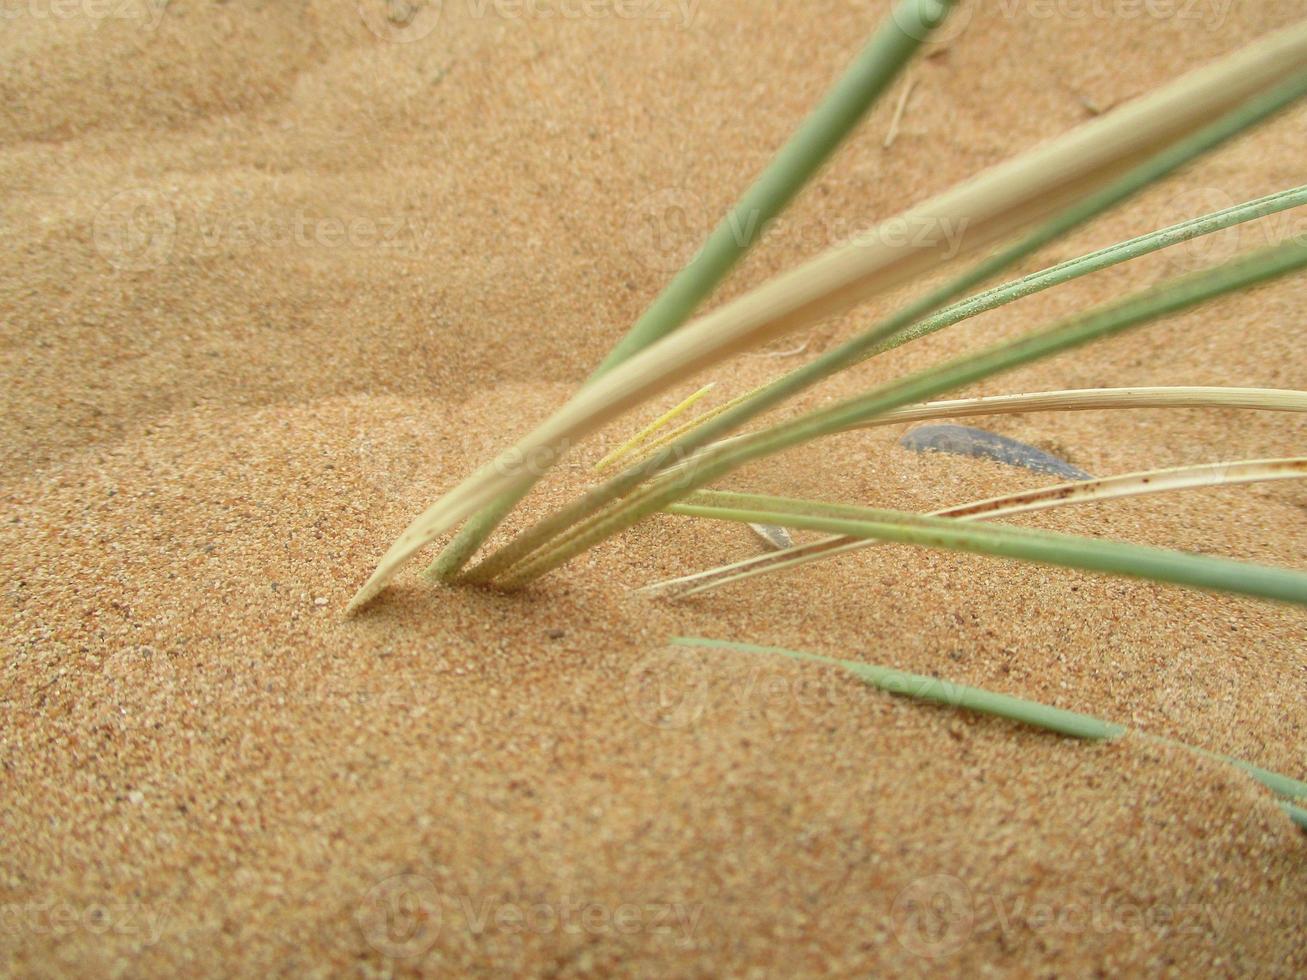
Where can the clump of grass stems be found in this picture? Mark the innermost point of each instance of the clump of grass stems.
(1035, 186)
(842, 357)
(684, 442)
(1025, 205)
(936, 691)
(717, 461)
(712, 426)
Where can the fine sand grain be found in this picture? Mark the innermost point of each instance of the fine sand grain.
(278, 274)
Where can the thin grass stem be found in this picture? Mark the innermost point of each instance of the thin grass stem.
(1296, 813)
(1044, 279)
(1072, 724)
(1065, 494)
(1003, 541)
(640, 438)
(871, 75)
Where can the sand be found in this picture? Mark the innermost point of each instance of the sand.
(278, 274)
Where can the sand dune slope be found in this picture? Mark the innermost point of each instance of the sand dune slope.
(277, 274)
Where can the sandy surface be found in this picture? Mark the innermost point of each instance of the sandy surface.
(273, 280)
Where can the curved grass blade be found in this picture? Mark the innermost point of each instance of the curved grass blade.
(640, 438)
(1042, 716)
(1088, 399)
(1296, 813)
(869, 77)
(1064, 494)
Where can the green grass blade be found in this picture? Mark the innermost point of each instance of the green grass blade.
(938, 691)
(710, 464)
(1090, 399)
(1294, 789)
(867, 80)
(1070, 723)
(1026, 501)
(1042, 547)
(1296, 813)
(472, 535)
(1104, 258)
(1096, 399)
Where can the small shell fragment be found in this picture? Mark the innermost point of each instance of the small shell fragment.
(777, 538)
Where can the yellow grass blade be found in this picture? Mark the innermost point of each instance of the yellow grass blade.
(657, 425)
